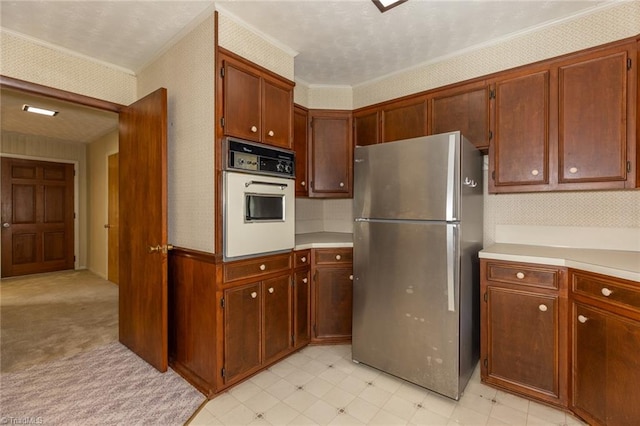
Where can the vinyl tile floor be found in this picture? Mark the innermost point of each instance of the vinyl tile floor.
(321, 385)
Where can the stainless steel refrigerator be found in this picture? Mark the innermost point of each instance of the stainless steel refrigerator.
(418, 208)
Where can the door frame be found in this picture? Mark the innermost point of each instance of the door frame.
(76, 196)
(108, 154)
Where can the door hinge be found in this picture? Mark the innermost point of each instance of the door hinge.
(493, 175)
(486, 362)
(490, 135)
(222, 372)
(222, 121)
(492, 94)
(222, 302)
(628, 63)
(486, 297)
(222, 72)
(293, 340)
(628, 166)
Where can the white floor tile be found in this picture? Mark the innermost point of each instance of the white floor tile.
(298, 377)
(222, 404)
(508, 415)
(302, 421)
(205, 418)
(439, 404)
(411, 392)
(345, 420)
(512, 401)
(240, 415)
(265, 379)
(375, 395)
(318, 387)
(333, 375)
(389, 383)
(321, 412)
(281, 389)
(300, 400)
(245, 391)
(261, 402)
(423, 416)
(476, 403)
(353, 385)
(547, 413)
(386, 418)
(466, 416)
(281, 414)
(362, 410)
(338, 398)
(400, 407)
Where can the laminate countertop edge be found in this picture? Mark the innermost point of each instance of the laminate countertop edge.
(323, 240)
(615, 263)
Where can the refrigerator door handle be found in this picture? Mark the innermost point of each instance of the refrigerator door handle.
(451, 267)
(451, 169)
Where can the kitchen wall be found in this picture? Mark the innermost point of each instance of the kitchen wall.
(586, 210)
(49, 149)
(98, 152)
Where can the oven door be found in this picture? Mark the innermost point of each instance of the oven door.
(259, 214)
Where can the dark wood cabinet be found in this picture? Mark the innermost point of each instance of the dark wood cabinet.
(256, 105)
(300, 145)
(464, 108)
(523, 345)
(605, 340)
(302, 298)
(332, 297)
(404, 119)
(366, 127)
(519, 154)
(331, 154)
(594, 108)
(277, 317)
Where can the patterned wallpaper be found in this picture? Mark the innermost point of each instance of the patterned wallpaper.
(186, 70)
(26, 60)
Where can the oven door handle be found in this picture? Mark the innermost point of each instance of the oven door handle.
(260, 182)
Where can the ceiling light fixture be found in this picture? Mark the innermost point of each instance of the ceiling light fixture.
(37, 110)
(385, 5)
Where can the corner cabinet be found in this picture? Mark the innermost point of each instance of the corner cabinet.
(330, 154)
(300, 146)
(523, 344)
(301, 298)
(257, 104)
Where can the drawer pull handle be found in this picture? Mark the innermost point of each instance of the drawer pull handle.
(303, 259)
(254, 129)
(520, 275)
(582, 319)
(341, 184)
(535, 172)
(271, 290)
(338, 257)
(304, 280)
(606, 292)
(543, 307)
(254, 294)
(351, 277)
(573, 170)
(303, 183)
(271, 133)
(263, 267)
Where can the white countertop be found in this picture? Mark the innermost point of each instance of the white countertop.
(615, 263)
(323, 240)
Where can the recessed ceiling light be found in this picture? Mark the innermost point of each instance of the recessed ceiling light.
(385, 5)
(37, 110)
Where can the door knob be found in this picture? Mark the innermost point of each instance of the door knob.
(107, 226)
(160, 249)
(6, 225)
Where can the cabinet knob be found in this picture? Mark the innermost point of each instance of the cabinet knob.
(543, 307)
(606, 292)
(582, 319)
(270, 133)
(304, 280)
(254, 129)
(535, 172)
(271, 290)
(303, 259)
(263, 267)
(338, 257)
(303, 183)
(573, 170)
(341, 184)
(254, 294)
(351, 277)
(520, 275)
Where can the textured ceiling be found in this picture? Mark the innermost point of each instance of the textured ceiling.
(344, 42)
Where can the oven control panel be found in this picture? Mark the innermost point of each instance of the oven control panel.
(257, 158)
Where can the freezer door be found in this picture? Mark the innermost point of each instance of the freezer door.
(411, 179)
(406, 301)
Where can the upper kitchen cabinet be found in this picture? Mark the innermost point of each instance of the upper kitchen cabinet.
(404, 119)
(596, 116)
(464, 108)
(330, 154)
(366, 127)
(520, 147)
(300, 145)
(257, 104)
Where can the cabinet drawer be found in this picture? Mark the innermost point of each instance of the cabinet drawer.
(524, 274)
(301, 258)
(618, 292)
(252, 268)
(333, 256)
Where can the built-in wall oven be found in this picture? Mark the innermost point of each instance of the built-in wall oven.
(259, 199)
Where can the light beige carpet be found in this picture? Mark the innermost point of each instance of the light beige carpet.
(46, 317)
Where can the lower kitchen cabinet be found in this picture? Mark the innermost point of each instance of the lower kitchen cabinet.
(605, 323)
(277, 319)
(302, 299)
(332, 295)
(523, 345)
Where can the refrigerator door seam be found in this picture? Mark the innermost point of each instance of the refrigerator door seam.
(451, 177)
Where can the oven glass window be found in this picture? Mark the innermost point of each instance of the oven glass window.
(263, 207)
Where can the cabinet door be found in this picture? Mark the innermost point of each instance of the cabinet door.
(277, 316)
(277, 113)
(522, 341)
(331, 154)
(467, 111)
(300, 138)
(592, 125)
(404, 119)
(241, 100)
(241, 330)
(520, 152)
(301, 305)
(333, 294)
(366, 128)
